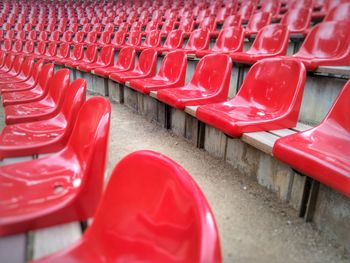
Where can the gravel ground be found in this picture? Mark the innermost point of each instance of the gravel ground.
(254, 225)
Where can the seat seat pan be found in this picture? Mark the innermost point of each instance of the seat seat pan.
(105, 72)
(247, 58)
(17, 86)
(150, 84)
(122, 77)
(22, 96)
(89, 67)
(318, 153)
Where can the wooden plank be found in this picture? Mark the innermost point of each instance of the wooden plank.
(13, 248)
(153, 94)
(7, 161)
(282, 133)
(191, 110)
(263, 141)
(301, 127)
(333, 70)
(49, 240)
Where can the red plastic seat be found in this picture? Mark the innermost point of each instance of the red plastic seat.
(208, 23)
(173, 224)
(167, 27)
(153, 40)
(7, 46)
(54, 36)
(42, 36)
(28, 48)
(327, 44)
(118, 39)
(50, 52)
(322, 152)
(105, 39)
(91, 38)
(62, 52)
(230, 21)
(90, 56)
(43, 109)
(15, 69)
(199, 40)
(67, 36)
(76, 55)
(338, 13)
(271, 6)
(34, 91)
(173, 41)
(24, 73)
(152, 25)
(297, 20)
(269, 99)
(230, 39)
(171, 74)
(69, 182)
(271, 41)
(134, 39)
(105, 59)
(246, 11)
(187, 26)
(256, 22)
(45, 136)
(145, 68)
(78, 37)
(209, 84)
(125, 62)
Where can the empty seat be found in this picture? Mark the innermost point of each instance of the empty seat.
(230, 39)
(171, 74)
(24, 74)
(327, 44)
(256, 22)
(44, 136)
(62, 52)
(69, 182)
(246, 11)
(230, 21)
(14, 70)
(173, 41)
(105, 59)
(134, 39)
(153, 40)
(104, 39)
(199, 40)
(90, 56)
(44, 108)
(338, 13)
(208, 23)
(269, 99)
(174, 223)
(322, 152)
(271, 41)
(297, 20)
(76, 55)
(146, 67)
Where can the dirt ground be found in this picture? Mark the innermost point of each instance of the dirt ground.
(254, 226)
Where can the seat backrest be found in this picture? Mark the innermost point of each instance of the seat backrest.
(118, 38)
(64, 50)
(297, 19)
(232, 20)
(212, 72)
(32, 35)
(126, 58)
(147, 62)
(174, 39)
(258, 20)
(167, 26)
(106, 55)
(230, 39)
(7, 45)
(187, 25)
(327, 40)
(208, 23)
(17, 64)
(199, 39)
(67, 36)
(44, 74)
(271, 6)
(91, 37)
(246, 10)
(79, 37)
(91, 53)
(134, 38)
(41, 47)
(42, 36)
(58, 85)
(173, 215)
(21, 35)
(52, 49)
(27, 66)
(18, 46)
(152, 25)
(273, 84)
(28, 47)
(77, 51)
(10, 34)
(2, 58)
(338, 13)
(105, 38)
(173, 66)
(55, 36)
(153, 38)
(301, 4)
(271, 39)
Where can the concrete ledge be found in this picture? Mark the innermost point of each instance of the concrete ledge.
(100, 85)
(115, 91)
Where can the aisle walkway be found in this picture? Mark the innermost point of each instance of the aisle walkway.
(253, 225)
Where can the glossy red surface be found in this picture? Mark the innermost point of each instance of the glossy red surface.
(256, 22)
(63, 187)
(90, 56)
(45, 136)
(118, 39)
(269, 99)
(105, 59)
(43, 109)
(76, 55)
(271, 41)
(14, 71)
(172, 223)
(209, 84)
(171, 74)
(246, 11)
(297, 20)
(145, 68)
(230, 39)
(62, 52)
(327, 44)
(198, 40)
(153, 40)
(25, 71)
(125, 62)
(104, 39)
(339, 13)
(173, 41)
(322, 152)
(134, 39)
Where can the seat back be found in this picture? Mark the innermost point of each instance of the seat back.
(153, 39)
(44, 74)
(275, 84)
(174, 39)
(17, 46)
(28, 47)
(91, 53)
(54, 36)
(212, 73)
(51, 49)
(147, 62)
(167, 27)
(91, 38)
(118, 38)
(230, 39)
(208, 23)
(173, 215)
(173, 67)
(245, 11)
(63, 51)
(152, 25)
(2, 58)
(10, 34)
(58, 85)
(105, 38)
(42, 36)
(327, 40)
(297, 19)
(134, 38)
(17, 64)
(199, 39)
(79, 37)
(126, 58)
(77, 52)
(257, 21)
(232, 20)
(7, 45)
(21, 35)
(41, 48)
(271, 6)
(32, 35)
(187, 25)
(106, 56)
(67, 36)
(271, 39)
(27, 67)
(339, 13)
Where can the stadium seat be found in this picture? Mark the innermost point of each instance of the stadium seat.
(124, 62)
(153, 40)
(271, 41)
(322, 152)
(171, 74)
(62, 52)
(43, 109)
(209, 84)
(76, 55)
(104, 39)
(105, 59)
(297, 20)
(256, 22)
(174, 223)
(90, 56)
(173, 41)
(338, 13)
(230, 21)
(246, 11)
(230, 39)
(269, 99)
(134, 39)
(69, 183)
(24, 74)
(145, 68)
(44, 136)
(327, 44)
(14, 71)
(198, 40)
